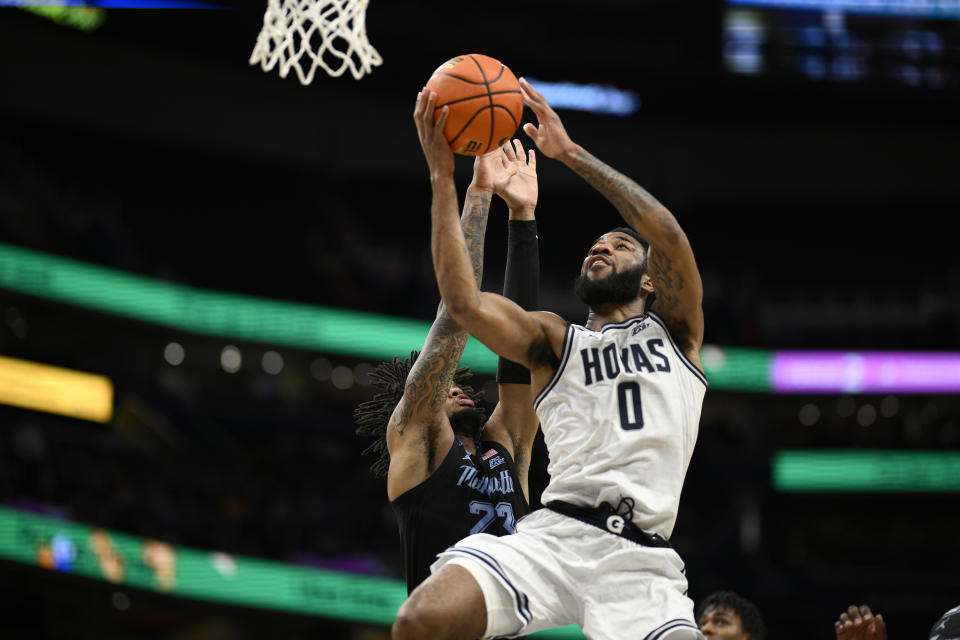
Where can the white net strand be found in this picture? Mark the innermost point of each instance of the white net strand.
(306, 34)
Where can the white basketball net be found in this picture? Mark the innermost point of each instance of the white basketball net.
(306, 34)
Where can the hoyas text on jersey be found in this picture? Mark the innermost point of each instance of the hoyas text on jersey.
(599, 365)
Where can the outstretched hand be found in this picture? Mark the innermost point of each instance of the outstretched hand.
(511, 173)
(550, 136)
(519, 187)
(859, 623)
(435, 147)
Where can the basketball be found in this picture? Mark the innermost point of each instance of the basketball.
(484, 100)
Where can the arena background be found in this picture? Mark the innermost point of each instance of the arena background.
(811, 156)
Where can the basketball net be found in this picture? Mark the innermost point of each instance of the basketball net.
(306, 34)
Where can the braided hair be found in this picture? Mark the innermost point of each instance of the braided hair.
(373, 416)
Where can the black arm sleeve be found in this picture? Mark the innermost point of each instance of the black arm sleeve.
(521, 283)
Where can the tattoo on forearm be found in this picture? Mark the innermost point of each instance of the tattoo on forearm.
(634, 203)
(627, 196)
(668, 283)
(432, 375)
(474, 225)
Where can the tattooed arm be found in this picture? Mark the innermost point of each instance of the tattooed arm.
(670, 261)
(431, 376)
(514, 422)
(418, 435)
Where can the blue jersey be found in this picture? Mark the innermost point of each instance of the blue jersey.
(467, 494)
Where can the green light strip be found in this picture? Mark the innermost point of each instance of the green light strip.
(217, 313)
(737, 369)
(866, 471)
(122, 559)
(82, 18)
(280, 323)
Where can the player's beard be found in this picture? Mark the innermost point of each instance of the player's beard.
(467, 422)
(620, 287)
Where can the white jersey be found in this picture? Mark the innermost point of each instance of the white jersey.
(620, 418)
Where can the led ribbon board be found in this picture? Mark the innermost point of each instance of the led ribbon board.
(217, 313)
(83, 18)
(378, 337)
(70, 547)
(276, 322)
(114, 4)
(865, 372)
(948, 9)
(594, 98)
(55, 390)
(871, 471)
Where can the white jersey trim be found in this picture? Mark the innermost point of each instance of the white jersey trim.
(623, 324)
(522, 602)
(568, 340)
(676, 623)
(564, 357)
(693, 368)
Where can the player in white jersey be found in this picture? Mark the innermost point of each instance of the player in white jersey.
(619, 404)
(620, 420)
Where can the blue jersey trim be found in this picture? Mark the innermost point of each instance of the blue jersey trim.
(564, 357)
(523, 603)
(683, 358)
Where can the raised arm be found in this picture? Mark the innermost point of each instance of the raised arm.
(431, 376)
(514, 422)
(671, 265)
(416, 434)
(532, 339)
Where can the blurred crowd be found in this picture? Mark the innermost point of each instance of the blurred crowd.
(271, 231)
(275, 494)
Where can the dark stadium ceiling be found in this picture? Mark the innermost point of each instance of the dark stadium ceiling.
(181, 78)
(608, 41)
(669, 52)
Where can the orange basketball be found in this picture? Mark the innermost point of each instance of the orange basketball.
(484, 100)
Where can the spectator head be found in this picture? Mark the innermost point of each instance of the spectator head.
(725, 615)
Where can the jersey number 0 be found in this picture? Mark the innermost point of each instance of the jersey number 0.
(631, 414)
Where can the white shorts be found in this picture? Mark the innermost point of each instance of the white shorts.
(555, 571)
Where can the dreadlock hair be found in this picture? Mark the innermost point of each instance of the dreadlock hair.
(748, 612)
(373, 416)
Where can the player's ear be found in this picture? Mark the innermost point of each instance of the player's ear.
(646, 283)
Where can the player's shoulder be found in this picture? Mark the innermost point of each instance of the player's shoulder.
(948, 626)
(549, 318)
(553, 325)
(545, 349)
